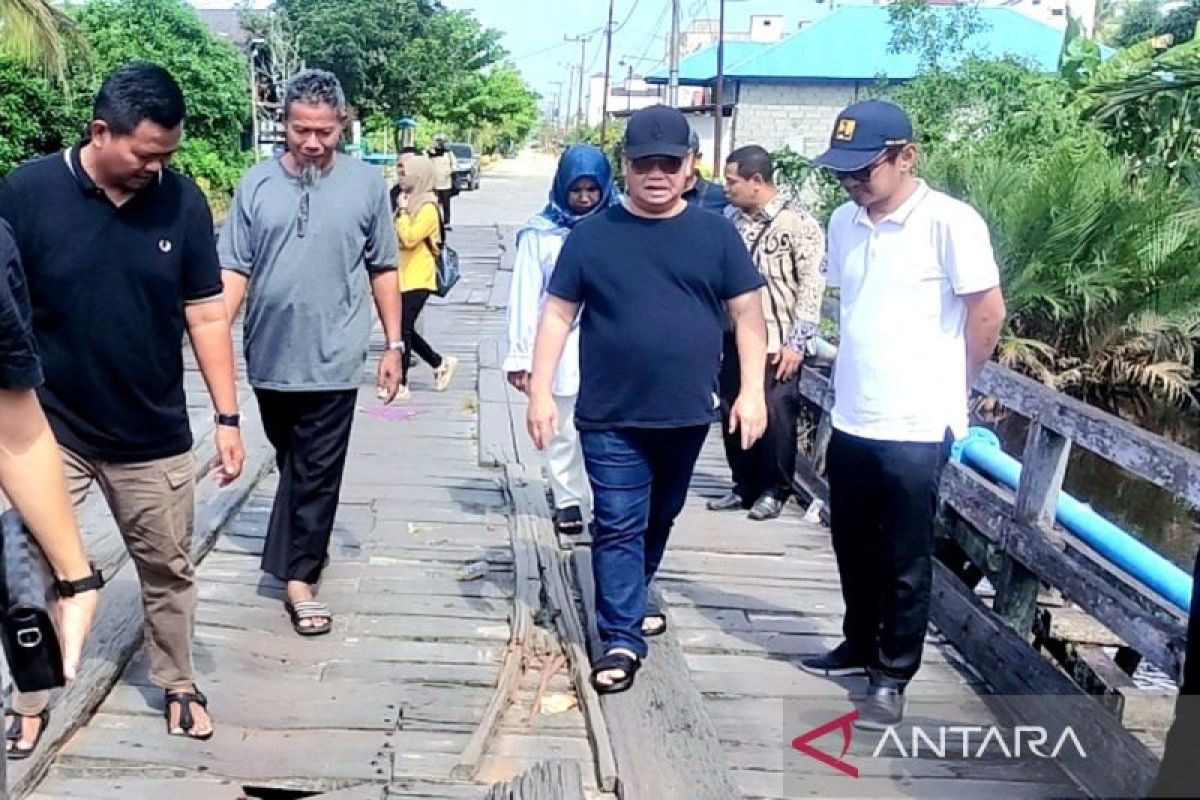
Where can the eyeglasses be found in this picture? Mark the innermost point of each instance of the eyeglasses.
(665, 164)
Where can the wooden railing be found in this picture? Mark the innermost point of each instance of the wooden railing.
(1013, 540)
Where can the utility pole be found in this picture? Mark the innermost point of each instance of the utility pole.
(673, 57)
(583, 43)
(570, 96)
(719, 95)
(608, 34)
(558, 85)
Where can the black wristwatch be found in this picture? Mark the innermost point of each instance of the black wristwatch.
(71, 588)
(229, 420)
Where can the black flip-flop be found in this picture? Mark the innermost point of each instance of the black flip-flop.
(14, 731)
(615, 661)
(309, 609)
(187, 722)
(568, 521)
(658, 615)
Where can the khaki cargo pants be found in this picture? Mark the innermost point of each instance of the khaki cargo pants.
(153, 503)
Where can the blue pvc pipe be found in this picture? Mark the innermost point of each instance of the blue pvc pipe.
(981, 450)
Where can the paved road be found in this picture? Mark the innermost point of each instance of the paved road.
(510, 192)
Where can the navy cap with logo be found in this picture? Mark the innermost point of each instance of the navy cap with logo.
(657, 131)
(862, 133)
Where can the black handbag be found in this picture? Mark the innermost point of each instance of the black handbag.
(26, 625)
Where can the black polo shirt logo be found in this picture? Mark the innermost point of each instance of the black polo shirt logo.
(164, 245)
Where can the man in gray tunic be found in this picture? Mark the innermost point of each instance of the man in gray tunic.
(309, 233)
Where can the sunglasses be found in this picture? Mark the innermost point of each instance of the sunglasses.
(864, 175)
(665, 164)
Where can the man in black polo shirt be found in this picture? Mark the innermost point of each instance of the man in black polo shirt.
(121, 261)
(655, 278)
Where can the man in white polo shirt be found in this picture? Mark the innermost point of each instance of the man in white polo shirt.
(921, 310)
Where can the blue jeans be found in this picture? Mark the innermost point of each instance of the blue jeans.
(640, 480)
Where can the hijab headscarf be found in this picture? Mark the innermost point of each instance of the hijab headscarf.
(418, 183)
(579, 161)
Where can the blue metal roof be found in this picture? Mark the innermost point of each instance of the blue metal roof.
(852, 42)
(700, 68)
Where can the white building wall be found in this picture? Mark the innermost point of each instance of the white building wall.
(799, 117)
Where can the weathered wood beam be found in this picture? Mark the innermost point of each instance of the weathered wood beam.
(1045, 465)
(666, 744)
(1115, 599)
(1148, 455)
(549, 780)
(1117, 764)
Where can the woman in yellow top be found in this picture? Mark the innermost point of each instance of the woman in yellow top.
(418, 224)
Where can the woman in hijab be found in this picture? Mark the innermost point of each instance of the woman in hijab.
(419, 226)
(583, 187)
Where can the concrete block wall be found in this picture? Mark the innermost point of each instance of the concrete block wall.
(799, 116)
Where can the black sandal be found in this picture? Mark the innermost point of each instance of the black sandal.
(309, 609)
(658, 631)
(186, 721)
(568, 521)
(14, 731)
(615, 661)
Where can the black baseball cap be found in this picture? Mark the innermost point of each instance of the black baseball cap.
(862, 133)
(657, 131)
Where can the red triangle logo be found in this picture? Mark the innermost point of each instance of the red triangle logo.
(844, 723)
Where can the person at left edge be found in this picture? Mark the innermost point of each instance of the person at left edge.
(119, 256)
(309, 234)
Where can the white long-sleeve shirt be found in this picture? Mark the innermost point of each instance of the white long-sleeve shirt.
(538, 246)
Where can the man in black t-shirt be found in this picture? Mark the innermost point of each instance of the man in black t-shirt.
(655, 278)
(121, 262)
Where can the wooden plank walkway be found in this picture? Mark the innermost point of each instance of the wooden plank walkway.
(387, 705)
(388, 702)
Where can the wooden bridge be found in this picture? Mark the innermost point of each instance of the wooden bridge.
(457, 667)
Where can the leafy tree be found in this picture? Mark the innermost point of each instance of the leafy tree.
(394, 57)
(1140, 21)
(496, 107)
(35, 117)
(212, 74)
(1002, 105)
(938, 35)
(1180, 23)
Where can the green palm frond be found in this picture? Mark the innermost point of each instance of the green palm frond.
(38, 33)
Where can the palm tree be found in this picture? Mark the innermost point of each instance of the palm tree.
(36, 32)
(1097, 260)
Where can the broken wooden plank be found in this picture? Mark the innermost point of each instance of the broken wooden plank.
(532, 518)
(550, 780)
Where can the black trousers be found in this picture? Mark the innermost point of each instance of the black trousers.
(769, 465)
(412, 302)
(882, 499)
(1179, 773)
(310, 432)
(444, 196)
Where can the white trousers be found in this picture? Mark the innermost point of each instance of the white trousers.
(564, 460)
